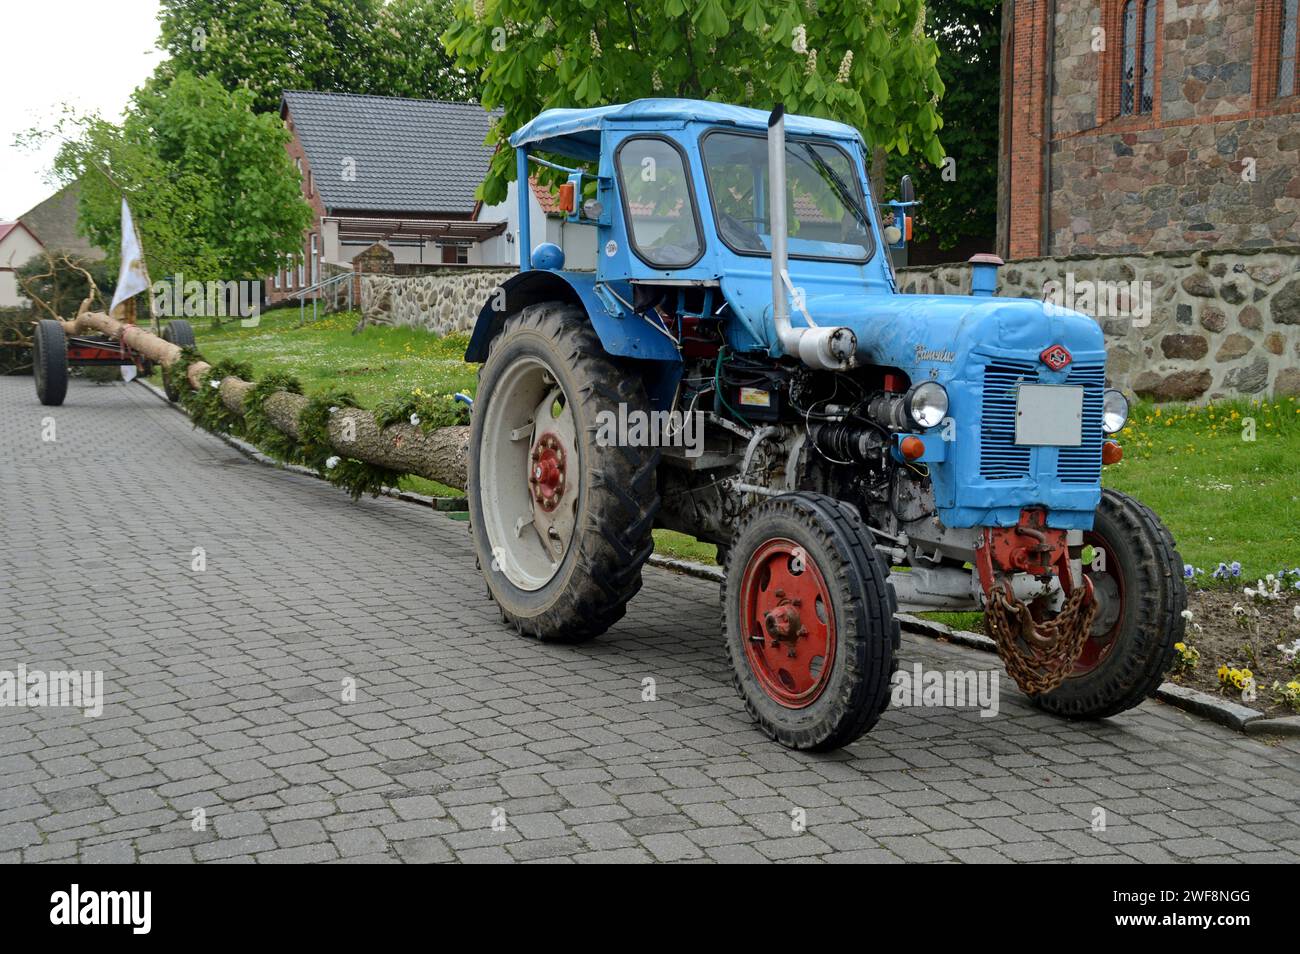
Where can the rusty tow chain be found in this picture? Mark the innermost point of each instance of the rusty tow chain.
(1039, 654)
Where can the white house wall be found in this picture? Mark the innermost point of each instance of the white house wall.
(577, 241)
(16, 250)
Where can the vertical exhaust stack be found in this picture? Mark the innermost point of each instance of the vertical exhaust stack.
(827, 349)
(776, 215)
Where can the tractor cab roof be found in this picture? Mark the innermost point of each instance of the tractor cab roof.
(577, 132)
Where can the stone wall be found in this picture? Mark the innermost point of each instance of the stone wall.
(1215, 162)
(1205, 324)
(441, 300)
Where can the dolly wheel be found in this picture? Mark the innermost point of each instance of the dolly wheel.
(50, 361)
(179, 332)
(808, 620)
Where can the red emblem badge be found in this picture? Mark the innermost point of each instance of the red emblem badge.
(1056, 357)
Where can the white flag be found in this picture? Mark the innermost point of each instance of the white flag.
(133, 278)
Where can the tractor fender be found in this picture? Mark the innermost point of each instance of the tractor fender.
(622, 333)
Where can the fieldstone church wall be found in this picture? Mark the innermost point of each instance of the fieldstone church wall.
(1204, 325)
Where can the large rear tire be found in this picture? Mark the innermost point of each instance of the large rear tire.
(808, 621)
(560, 520)
(1138, 583)
(50, 361)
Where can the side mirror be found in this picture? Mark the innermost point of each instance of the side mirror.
(906, 193)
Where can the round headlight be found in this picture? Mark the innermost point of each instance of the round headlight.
(1114, 411)
(927, 404)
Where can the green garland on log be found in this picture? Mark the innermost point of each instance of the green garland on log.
(355, 476)
(174, 376)
(428, 411)
(258, 427)
(314, 449)
(204, 404)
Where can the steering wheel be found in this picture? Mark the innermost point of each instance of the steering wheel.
(740, 230)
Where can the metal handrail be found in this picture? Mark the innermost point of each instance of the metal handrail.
(314, 290)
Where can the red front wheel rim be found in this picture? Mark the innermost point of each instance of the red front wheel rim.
(1107, 585)
(788, 623)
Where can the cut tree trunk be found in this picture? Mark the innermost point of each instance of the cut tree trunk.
(440, 454)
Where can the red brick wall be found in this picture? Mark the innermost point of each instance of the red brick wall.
(1025, 106)
(312, 195)
(1177, 177)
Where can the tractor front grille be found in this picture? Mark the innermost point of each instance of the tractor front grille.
(1001, 459)
(1082, 464)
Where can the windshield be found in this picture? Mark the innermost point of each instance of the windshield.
(825, 207)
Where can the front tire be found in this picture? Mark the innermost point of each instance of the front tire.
(50, 361)
(1141, 597)
(808, 621)
(561, 520)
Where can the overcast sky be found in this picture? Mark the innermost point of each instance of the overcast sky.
(88, 53)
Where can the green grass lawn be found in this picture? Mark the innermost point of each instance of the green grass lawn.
(1224, 498)
(376, 364)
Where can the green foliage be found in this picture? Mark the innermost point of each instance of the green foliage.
(968, 33)
(15, 339)
(212, 189)
(204, 404)
(314, 446)
(430, 410)
(867, 64)
(357, 46)
(258, 427)
(316, 450)
(174, 375)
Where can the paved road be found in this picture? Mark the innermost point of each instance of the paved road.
(223, 693)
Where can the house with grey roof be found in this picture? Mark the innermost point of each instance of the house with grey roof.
(383, 169)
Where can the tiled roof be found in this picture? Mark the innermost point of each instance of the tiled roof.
(549, 200)
(408, 155)
(54, 222)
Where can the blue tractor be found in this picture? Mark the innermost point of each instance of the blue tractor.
(735, 361)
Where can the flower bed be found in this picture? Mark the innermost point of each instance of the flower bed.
(1243, 642)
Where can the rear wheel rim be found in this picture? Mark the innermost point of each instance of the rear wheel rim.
(529, 473)
(788, 623)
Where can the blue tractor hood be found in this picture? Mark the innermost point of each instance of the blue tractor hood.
(926, 333)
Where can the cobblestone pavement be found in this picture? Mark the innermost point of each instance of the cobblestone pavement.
(222, 693)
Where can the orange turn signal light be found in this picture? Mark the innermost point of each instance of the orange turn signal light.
(567, 197)
(912, 447)
(1111, 452)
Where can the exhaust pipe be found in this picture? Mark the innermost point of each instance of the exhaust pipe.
(826, 349)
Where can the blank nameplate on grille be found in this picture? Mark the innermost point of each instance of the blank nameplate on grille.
(1049, 415)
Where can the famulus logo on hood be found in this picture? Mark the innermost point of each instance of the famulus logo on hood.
(931, 354)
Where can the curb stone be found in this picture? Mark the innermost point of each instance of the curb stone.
(1285, 725)
(1230, 714)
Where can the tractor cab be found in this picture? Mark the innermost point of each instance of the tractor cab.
(679, 195)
